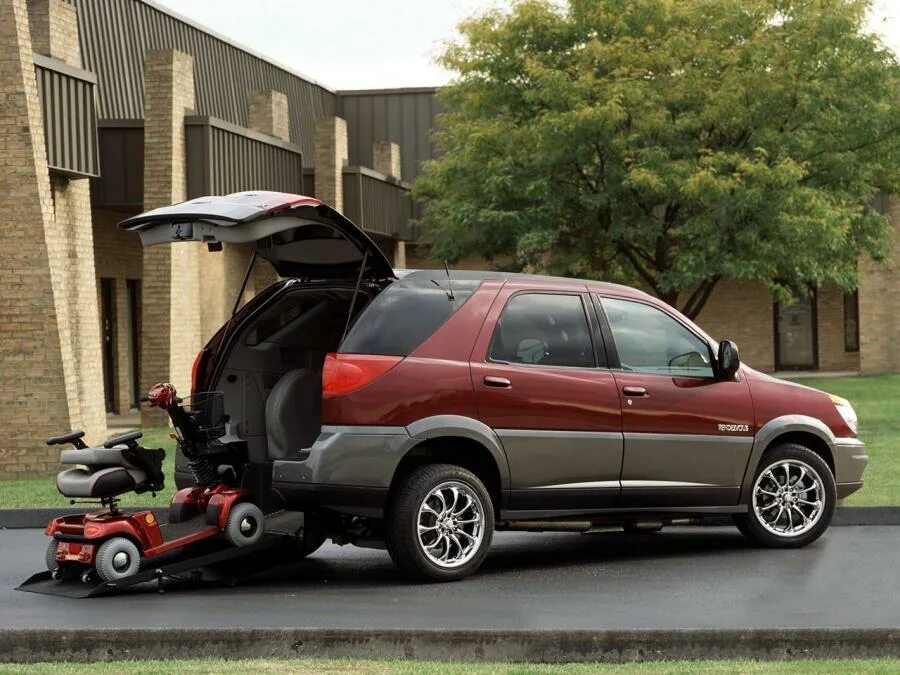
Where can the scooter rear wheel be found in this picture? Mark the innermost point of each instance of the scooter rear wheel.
(117, 558)
(50, 556)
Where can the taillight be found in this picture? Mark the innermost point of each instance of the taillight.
(197, 371)
(344, 373)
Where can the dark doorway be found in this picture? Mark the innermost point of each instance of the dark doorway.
(796, 335)
(134, 315)
(108, 328)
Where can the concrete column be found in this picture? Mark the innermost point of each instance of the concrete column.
(331, 158)
(268, 113)
(386, 158)
(171, 321)
(49, 328)
(54, 30)
(400, 254)
(879, 306)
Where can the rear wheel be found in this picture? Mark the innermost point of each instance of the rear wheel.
(440, 523)
(117, 558)
(50, 555)
(792, 501)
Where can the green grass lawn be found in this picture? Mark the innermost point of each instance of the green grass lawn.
(23, 493)
(876, 399)
(416, 667)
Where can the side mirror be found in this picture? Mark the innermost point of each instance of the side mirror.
(729, 360)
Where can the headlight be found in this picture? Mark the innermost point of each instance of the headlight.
(846, 410)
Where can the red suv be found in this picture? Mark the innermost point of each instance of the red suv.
(425, 410)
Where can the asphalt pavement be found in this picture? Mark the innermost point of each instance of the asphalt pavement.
(682, 578)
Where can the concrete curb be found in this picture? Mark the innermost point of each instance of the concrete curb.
(22, 646)
(13, 519)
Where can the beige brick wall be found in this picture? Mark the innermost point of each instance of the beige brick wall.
(830, 316)
(331, 157)
(268, 113)
(386, 158)
(171, 314)
(54, 30)
(879, 306)
(742, 311)
(70, 243)
(49, 328)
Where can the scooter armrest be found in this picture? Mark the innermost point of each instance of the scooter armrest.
(124, 439)
(73, 437)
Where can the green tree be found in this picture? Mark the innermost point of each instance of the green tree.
(671, 143)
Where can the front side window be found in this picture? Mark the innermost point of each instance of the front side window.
(650, 341)
(546, 329)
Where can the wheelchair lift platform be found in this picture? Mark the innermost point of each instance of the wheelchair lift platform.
(280, 535)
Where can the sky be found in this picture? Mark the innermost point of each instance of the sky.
(374, 44)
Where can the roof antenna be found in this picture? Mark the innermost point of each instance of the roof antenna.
(449, 281)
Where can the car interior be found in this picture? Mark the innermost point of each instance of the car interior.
(272, 377)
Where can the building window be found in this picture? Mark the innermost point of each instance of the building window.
(851, 321)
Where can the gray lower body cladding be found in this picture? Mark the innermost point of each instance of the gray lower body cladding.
(350, 469)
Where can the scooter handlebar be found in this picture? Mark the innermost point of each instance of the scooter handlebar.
(163, 395)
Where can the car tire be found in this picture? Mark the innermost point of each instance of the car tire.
(313, 537)
(117, 558)
(246, 524)
(50, 555)
(792, 498)
(440, 523)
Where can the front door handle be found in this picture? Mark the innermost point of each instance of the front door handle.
(501, 382)
(634, 391)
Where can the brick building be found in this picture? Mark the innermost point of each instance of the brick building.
(111, 108)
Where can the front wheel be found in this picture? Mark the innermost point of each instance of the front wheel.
(245, 525)
(792, 501)
(440, 523)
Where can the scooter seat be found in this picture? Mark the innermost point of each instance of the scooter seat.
(95, 457)
(105, 482)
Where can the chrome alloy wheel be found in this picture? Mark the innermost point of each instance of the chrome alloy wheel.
(788, 498)
(450, 524)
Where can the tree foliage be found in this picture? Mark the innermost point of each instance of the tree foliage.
(672, 143)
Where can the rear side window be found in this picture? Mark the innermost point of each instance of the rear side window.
(405, 314)
(543, 329)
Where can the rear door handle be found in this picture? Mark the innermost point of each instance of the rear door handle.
(501, 382)
(634, 391)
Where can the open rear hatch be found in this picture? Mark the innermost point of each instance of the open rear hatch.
(300, 236)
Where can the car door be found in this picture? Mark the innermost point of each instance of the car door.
(687, 433)
(541, 384)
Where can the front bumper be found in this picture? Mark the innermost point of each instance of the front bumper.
(850, 461)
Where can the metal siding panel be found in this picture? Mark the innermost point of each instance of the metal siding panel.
(115, 36)
(69, 119)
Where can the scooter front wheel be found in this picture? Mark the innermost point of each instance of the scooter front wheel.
(117, 558)
(246, 524)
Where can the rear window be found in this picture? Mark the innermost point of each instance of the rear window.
(405, 314)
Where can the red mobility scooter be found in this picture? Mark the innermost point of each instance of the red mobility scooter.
(208, 523)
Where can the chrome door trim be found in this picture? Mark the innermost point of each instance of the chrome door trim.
(587, 485)
(663, 484)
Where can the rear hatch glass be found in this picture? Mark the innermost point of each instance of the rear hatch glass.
(405, 314)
